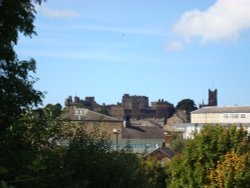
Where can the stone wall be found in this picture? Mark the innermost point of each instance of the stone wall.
(104, 127)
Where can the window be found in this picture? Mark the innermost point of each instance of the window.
(243, 115)
(234, 115)
(225, 115)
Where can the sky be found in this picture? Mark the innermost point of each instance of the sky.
(162, 49)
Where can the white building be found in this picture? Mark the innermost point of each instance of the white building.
(224, 116)
(221, 115)
(188, 129)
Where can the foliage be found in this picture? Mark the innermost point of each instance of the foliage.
(192, 168)
(177, 143)
(56, 109)
(186, 104)
(45, 152)
(25, 146)
(16, 91)
(233, 171)
(15, 17)
(90, 162)
(155, 172)
(16, 85)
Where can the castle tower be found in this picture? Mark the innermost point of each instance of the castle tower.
(212, 97)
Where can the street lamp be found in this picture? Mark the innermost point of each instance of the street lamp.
(117, 132)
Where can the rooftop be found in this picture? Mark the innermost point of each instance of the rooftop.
(142, 132)
(226, 109)
(87, 115)
(167, 151)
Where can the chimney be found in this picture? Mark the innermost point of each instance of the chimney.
(126, 122)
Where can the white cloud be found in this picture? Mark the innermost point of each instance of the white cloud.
(224, 20)
(174, 46)
(56, 13)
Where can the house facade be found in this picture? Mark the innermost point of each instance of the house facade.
(92, 121)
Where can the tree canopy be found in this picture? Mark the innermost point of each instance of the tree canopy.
(208, 153)
(15, 17)
(17, 93)
(187, 105)
(55, 109)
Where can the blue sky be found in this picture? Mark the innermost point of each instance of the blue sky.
(162, 49)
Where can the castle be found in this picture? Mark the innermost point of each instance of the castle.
(136, 107)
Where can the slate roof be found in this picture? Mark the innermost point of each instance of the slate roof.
(227, 109)
(167, 151)
(142, 132)
(77, 114)
(147, 122)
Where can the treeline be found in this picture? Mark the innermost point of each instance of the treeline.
(39, 150)
(46, 152)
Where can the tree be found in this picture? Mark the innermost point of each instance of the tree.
(186, 105)
(56, 109)
(156, 172)
(90, 162)
(233, 171)
(192, 168)
(177, 143)
(16, 91)
(16, 84)
(27, 146)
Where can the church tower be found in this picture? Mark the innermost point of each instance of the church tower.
(212, 97)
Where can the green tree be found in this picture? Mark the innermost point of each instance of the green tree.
(177, 143)
(15, 17)
(16, 84)
(186, 104)
(16, 91)
(156, 173)
(90, 162)
(56, 109)
(25, 148)
(192, 168)
(47, 152)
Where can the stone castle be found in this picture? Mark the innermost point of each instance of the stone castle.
(135, 107)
